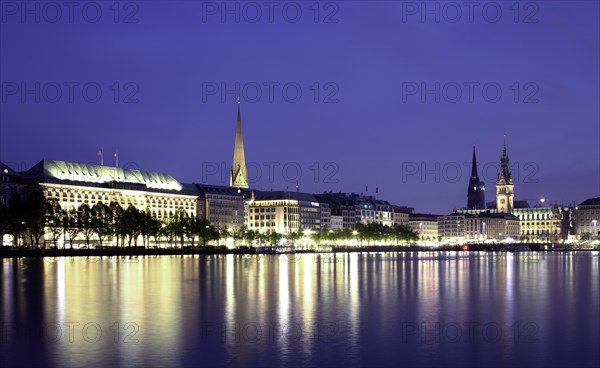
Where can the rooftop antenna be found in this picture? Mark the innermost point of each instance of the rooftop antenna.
(101, 155)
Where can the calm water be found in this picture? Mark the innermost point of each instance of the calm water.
(395, 309)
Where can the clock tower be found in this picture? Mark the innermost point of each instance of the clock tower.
(505, 189)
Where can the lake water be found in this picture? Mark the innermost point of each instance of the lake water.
(390, 309)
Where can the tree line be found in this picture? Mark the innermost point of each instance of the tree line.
(35, 221)
(29, 219)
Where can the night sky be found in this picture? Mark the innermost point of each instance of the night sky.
(360, 66)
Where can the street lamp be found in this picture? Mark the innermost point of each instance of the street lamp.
(542, 200)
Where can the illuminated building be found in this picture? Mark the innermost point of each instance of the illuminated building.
(587, 217)
(337, 222)
(538, 223)
(452, 227)
(505, 192)
(371, 210)
(222, 206)
(476, 191)
(325, 216)
(342, 206)
(355, 208)
(459, 227)
(74, 184)
(401, 214)
(239, 175)
(544, 223)
(283, 212)
(425, 225)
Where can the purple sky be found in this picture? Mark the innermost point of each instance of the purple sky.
(369, 126)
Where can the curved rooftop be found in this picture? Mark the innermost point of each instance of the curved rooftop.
(87, 173)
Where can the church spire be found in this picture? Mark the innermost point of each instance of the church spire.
(476, 190)
(474, 165)
(239, 177)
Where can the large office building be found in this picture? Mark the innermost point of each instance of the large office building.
(465, 227)
(73, 184)
(545, 223)
(283, 212)
(222, 206)
(425, 225)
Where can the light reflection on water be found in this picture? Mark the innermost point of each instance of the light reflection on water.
(390, 309)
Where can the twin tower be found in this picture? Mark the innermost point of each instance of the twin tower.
(505, 189)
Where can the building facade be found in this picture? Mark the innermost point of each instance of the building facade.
(325, 211)
(587, 218)
(283, 212)
(401, 214)
(72, 185)
(451, 228)
(337, 222)
(465, 227)
(341, 205)
(544, 223)
(425, 225)
(372, 210)
(539, 224)
(222, 206)
(356, 208)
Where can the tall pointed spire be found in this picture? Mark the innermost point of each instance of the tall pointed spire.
(504, 148)
(476, 190)
(239, 177)
(504, 173)
(474, 165)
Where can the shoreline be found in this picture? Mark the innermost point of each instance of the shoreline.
(220, 250)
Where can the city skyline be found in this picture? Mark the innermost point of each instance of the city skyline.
(243, 182)
(379, 129)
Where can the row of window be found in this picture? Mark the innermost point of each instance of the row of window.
(262, 209)
(556, 223)
(58, 194)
